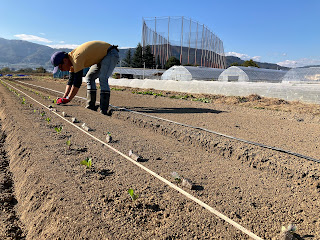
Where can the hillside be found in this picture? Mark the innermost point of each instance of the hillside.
(17, 54)
(21, 54)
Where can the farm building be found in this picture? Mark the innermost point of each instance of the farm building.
(188, 73)
(251, 74)
(138, 73)
(303, 75)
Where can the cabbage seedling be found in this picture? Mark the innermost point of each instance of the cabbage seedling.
(58, 129)
(176, 177)
(23, 101)
(68, 143)
(87, 162)
(48, 120)
(132, 194)
(42, 114)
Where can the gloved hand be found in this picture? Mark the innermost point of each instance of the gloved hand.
(62, 101)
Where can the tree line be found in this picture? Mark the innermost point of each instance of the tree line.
(23, 70)
(143, 57)
(249, 63)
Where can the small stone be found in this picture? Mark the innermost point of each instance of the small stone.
(50, 106)
(134, 156)
(74, 120)
(86, 127)
(108, 138)
(187, 183)
(64, 114)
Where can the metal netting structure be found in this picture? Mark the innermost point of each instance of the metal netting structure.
(189, 41)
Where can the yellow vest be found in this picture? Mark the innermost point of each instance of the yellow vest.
(88, 54)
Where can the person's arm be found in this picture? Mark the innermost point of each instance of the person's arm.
(74, 83)
(74, 90)
(67, 91)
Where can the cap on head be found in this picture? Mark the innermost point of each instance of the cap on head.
(56, 59)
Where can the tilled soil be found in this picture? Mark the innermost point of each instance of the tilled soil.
(54, 197)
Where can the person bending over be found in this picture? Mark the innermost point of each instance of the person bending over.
(102, 58)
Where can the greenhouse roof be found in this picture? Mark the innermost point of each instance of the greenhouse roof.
(311, 74)
(188, 73)
(138, 71)
(251, 74)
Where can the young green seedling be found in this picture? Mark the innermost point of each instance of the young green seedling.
(23, 101)
(58, 129)
(48, 120)
(87, 162)
(42, 114)
(132, 194)
(68, 143)
(176, 177)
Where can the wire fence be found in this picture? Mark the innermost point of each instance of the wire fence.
(187, 40)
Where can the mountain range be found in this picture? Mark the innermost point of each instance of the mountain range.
(18, 54)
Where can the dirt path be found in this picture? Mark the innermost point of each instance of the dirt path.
(260, 189)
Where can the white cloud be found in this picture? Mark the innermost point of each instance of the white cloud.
(125, 47)
(299, 63)
(70, 46)
(243, 56)
(32, 38)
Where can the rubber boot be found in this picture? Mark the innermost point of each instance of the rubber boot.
(104, 103)
(91, 100)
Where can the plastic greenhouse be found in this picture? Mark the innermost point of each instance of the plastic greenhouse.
(139, 73)
(188, 73)
(251, 74)
(303, 75)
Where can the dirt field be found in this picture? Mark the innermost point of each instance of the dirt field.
(45, 193)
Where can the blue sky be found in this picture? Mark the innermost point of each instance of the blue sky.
(286, 32)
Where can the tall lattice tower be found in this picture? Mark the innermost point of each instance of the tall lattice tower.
(189, 41)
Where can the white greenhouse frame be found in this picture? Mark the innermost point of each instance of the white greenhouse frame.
(251, 74)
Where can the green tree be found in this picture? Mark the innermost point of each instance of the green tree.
(137, 60)
(235, 64)
(5, 70)
(148, 57)
(128, 59)
(40, 70)
(250, 63)
(171, 62)
(25, 70)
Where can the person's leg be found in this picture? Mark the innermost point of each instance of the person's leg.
(90, 79)
(108, 64)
